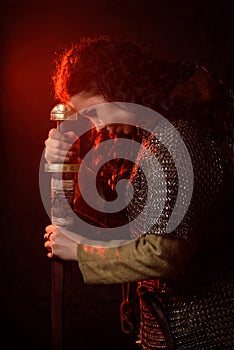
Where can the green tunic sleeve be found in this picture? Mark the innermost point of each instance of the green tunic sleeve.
(150, 256)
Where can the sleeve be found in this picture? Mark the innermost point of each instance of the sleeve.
(147, 257)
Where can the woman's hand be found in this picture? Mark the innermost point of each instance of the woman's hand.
(61, 147)
(59, 245)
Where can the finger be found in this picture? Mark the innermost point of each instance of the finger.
(56, 152)
(52, 132)
(59, 159)
(50, 228)
(48, 245)
(69, 136)
(60, 144)
(53, 155)
(47, 236)
(55, 134)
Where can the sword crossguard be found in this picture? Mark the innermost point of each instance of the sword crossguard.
(61, 168)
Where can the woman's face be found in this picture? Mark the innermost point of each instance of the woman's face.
(105, 116)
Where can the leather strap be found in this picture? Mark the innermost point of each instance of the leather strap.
(158, 311)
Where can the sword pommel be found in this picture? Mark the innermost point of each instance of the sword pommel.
(62, 112)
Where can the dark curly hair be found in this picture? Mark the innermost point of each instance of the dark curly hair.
(127, 71)
(120, 70)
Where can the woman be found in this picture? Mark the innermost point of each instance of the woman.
(183, 275)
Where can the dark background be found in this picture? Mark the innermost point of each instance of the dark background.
(201, 31)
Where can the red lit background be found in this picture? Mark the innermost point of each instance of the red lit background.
(32, 31)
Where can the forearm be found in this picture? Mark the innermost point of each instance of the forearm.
(151, 256)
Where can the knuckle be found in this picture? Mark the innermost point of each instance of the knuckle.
(52, 132)
(60, 145)
(61, 152)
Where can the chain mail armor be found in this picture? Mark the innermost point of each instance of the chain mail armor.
(197, 302)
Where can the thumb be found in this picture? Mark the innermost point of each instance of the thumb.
(55, 134)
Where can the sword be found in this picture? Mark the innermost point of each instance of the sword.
(62, 195)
